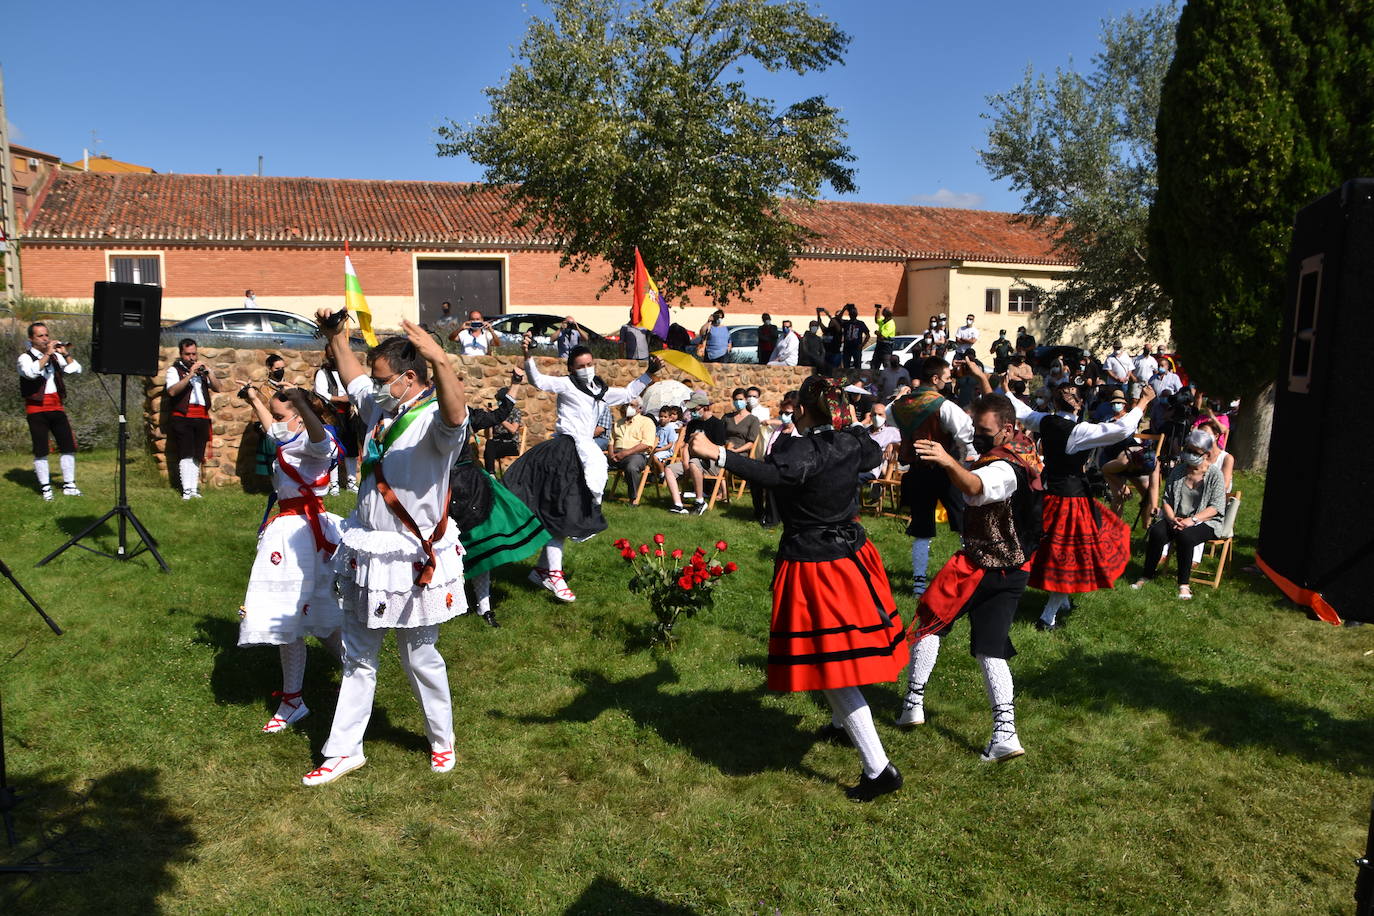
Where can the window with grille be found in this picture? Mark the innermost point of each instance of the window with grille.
(1021, 300)
(992, 300)
(136, 269)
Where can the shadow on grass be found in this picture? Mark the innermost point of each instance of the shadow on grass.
(247, 675)
(118, 826)
(730, 730)
(1231, 716)
(605, 895)
(23, 477)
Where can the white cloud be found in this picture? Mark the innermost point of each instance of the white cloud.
(963, 200)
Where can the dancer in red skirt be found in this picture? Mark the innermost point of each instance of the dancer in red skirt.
(1086, 546)
(835, 626)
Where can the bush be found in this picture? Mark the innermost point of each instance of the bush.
(94, 417)
(27, 309)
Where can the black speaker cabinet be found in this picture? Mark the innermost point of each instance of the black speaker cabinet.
(127, 325)
(1316, 538)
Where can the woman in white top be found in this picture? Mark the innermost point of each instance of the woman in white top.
(291, 589)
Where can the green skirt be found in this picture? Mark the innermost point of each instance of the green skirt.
(509, 533)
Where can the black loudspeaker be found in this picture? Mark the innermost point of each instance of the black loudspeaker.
(1316, 539)
(127, 328)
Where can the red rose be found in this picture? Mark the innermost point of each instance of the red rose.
(685, 583)
(721, 545)
(658, 552)
(699, 552)
(698, 562)
(644, 549)
(717, 571)
(677, 554)
(659, 539)
(620, 544)
(627, 553)
(701, 575)
(731, 567)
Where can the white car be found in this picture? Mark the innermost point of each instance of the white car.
(903, 346)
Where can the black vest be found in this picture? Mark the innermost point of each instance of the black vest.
(31, 389)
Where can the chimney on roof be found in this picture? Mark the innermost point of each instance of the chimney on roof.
(259, 166)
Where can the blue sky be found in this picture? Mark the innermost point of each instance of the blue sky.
(355, 90)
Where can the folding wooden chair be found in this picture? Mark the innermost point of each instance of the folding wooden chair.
(1140, 516)
(760, 446)
(1221, 548)
(888, 486)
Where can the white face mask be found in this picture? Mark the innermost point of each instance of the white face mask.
(381, 394)
(586, 373)
(879, 419)
(752, 401)
(630, 412)
(786, 418)
(281, 430)
(739, 403)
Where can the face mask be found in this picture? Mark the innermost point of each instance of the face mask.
(1118, 407)
(385, 400)
(752, 401)
(786, 418)
(1192, 459)
(281, 430)
(879, 420)
(586, 373)
(739, 403)
(983, 443)
(277, 375)
(630, 412)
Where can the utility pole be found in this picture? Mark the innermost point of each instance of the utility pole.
(9, 223)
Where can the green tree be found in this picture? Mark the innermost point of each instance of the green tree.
(1080, 148)
(620, 127)
(1268, 105)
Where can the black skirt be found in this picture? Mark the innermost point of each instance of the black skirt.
(548, 478)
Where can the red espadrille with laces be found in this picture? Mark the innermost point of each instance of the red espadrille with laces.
(441, 761)
(553, 580)
(291, 710)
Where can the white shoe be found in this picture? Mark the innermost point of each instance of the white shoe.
(1185, 593)
(553, 580)
(185, 494)
(332, 769)
(1007, 748)
(46, 492)
(195, 494)
(287, 714)
(1138, 584)
(913, 712)
(333, 490)
(352, 484)
(441, 761)
(69, 489)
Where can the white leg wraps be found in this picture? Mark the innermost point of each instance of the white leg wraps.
(552, 556)
(1056, 603)
(849, 706)
(481, 587)
(68, 464)
(42, 471)
(292, 666)
(189, 472)
(923, 656)
(997, 679)
(424, 667)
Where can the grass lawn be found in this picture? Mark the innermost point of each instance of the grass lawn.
(1211, 756)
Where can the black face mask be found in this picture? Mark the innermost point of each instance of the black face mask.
(984, 443)
(277, 375)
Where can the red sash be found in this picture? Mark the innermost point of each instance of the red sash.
(949, 592)
(393, 502)
(49, 402)
(193, 412)
(308, 503)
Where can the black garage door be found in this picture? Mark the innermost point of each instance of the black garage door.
(467, 284)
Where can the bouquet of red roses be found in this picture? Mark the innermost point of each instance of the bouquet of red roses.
(675, 587)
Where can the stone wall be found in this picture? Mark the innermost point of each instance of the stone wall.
(233, 418)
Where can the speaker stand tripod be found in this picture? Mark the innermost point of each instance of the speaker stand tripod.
(121, 510)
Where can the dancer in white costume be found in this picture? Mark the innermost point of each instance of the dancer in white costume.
(291, 589)
(399, 561)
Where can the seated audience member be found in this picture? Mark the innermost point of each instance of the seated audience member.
(1129, 464)
(741, 426)
(503, 441)
(766, 511)
(699, 417)
(669, 431)
(1219, 456)
(891, 377)
(886, 437)
(601, 435)
(1019, 374)
(751, 398)
(633, 438)
(1191, 512)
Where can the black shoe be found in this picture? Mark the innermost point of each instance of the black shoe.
(889, 780)
(678, 510)
(699, 508)
(834, 734)
(1046, 627)
(490, 618)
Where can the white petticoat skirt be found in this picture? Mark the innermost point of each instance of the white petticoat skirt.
(291, 589)
(377, 571)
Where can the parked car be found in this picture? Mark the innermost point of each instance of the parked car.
(511, 328)
(261, 328)
(903, 346)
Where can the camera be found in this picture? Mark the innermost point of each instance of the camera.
(335, 319)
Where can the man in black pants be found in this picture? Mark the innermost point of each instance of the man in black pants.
(41, 370)
(189, 386)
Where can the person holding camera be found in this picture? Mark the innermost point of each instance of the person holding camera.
(291, 588)
(189, 384)
(1086, 545)
(476, 337)
(41, 370)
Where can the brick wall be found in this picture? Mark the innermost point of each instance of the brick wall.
(484, 376)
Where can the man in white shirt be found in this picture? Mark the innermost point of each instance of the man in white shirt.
(399, 562)
(42, 368)
(249, 300)
(751, 400)
(891, 377)
(189, 385)
(1145, 365)
(787, 349)
(476, 338)
(965, 337)
(1119, 367)
(886, 437)
(985, 579)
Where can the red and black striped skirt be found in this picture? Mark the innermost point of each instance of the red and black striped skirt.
(1077, 552)
(827, 630)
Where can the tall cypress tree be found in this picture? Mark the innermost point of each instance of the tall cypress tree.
(1268, 105)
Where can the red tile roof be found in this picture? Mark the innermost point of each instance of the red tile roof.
(230, 208)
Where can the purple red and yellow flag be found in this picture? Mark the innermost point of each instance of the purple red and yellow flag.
(650, 309)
